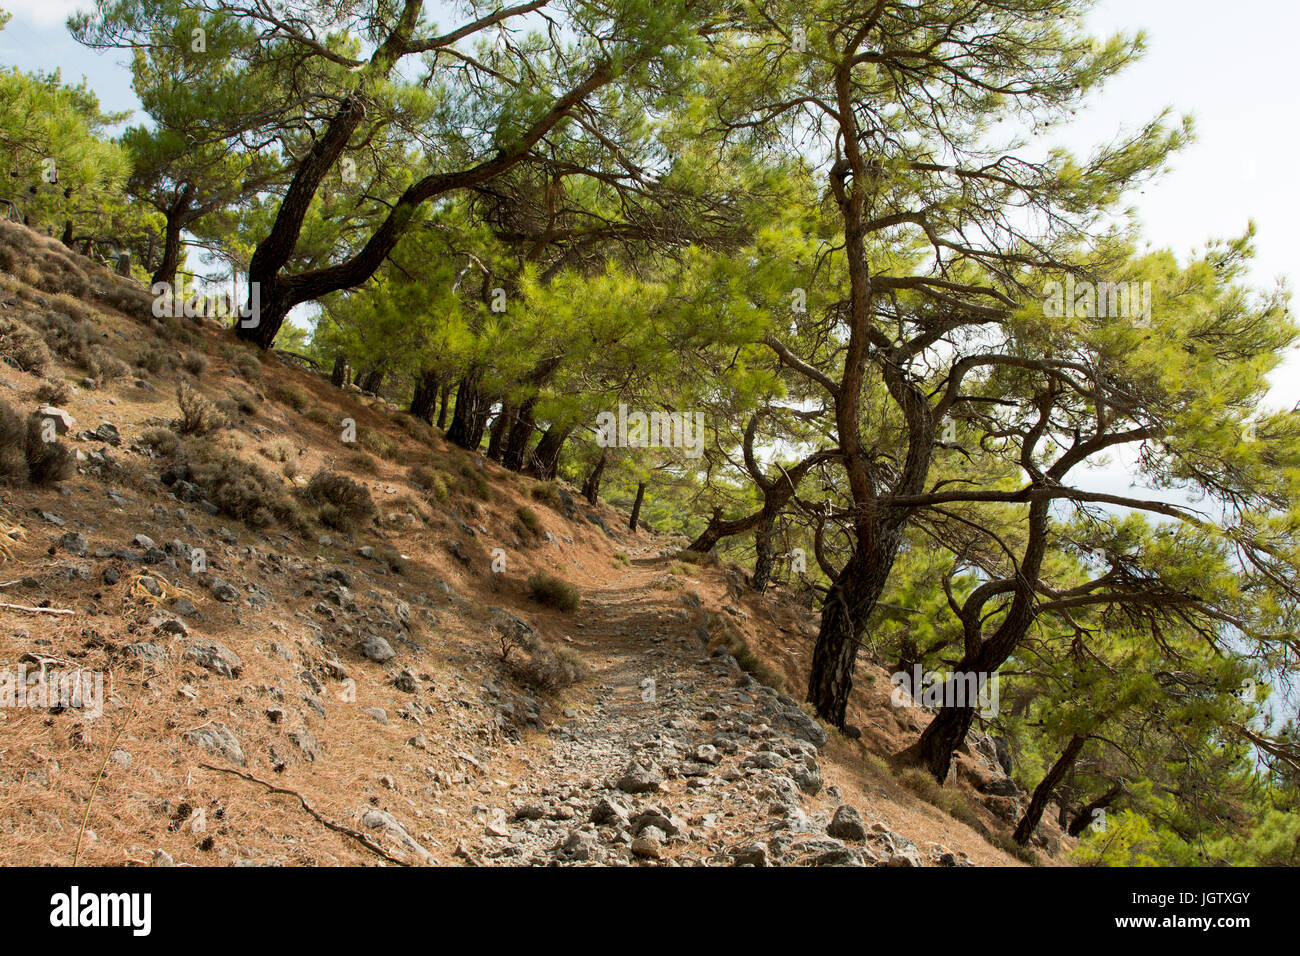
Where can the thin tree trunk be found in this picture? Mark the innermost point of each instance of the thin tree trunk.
(1043, 792)
(591, 487)
(1084, 818)
(442, 408)
(500, 428)
(765, 553)
(636, 507)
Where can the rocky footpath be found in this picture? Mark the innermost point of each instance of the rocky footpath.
(679, 758)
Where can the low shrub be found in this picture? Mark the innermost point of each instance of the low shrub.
(290, 395)
(22, 347)
(242, 490)
(343, 503)
(552, 592)
(548, 492)
(48, 462)
(196, 363)
(198, 415)
(528, 518)
(381, 445)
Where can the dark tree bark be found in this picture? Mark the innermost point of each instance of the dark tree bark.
(636, 507)
(470, 417)
(1084, 817)
(339, 377)
(523, 425)
(279, 293)
(425, 397)
(177, 215)
(591, 487)
(983, 656)
(275, 251)
(497, 436)
(442, 406)
(765, 553)
(1043, 792)
(545, 459)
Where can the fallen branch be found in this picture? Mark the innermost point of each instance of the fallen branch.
(37, 610)
(357, 835)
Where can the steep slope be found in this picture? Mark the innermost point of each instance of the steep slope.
(276, 691)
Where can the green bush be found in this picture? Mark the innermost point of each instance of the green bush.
(528, 518)
(548, 492)
(552, 591)
(290, 395)
(242, 490)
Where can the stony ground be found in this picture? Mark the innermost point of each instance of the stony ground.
(676, 755)
(325, 698)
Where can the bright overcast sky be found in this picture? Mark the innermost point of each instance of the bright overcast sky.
(1231, 68)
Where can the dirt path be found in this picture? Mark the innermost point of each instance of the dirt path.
(704, 766)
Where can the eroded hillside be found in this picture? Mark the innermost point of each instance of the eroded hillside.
(292, 678)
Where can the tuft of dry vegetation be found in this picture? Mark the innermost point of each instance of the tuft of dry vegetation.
(553, 592)
(28, 452)
(23, 348)
(198, 415)
(344, 504)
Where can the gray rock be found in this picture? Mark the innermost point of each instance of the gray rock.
(216, 657)
(75, 544)
(1001, 787)
(581, 845)
(222, 591)
(846, 824)
(377, 649)
(750, 854)
(607, 812)
(217, 738)
(375, 819)
(306, 743)
(147, 651)
(641, 779)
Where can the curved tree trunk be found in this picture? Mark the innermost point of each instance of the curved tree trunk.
(852, 595)
(545, 460)
(275, 251)
(1084, 817)
(636, 507)
(515, 453)
(1043, 792)
(373, 380)
(176, 215)
(591, 487)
